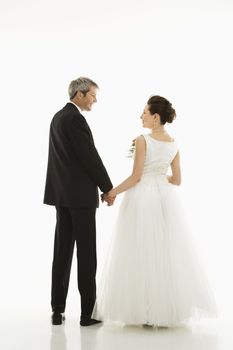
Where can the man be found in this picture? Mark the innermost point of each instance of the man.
(75, 170)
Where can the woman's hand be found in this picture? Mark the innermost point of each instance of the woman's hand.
(108, 197)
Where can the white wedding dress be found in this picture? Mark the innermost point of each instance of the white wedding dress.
(152, 274)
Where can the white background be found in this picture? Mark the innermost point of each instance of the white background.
(179, 49)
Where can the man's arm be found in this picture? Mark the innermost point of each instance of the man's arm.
(88, 155)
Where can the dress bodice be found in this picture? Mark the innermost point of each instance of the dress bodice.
(159, 155)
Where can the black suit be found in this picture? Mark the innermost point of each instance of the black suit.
(75, 171)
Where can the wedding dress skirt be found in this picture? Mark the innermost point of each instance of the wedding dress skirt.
(152, 274)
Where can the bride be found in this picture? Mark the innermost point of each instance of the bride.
(152, 274)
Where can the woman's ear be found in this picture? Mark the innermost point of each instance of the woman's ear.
(157, 118)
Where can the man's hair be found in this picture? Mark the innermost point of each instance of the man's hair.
(81, 84)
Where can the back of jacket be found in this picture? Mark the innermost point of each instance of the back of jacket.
(75, 169)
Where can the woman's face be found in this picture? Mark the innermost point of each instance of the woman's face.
(147, 118)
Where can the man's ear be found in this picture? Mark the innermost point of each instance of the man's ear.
(80, 94)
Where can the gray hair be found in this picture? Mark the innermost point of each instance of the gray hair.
(81, 84)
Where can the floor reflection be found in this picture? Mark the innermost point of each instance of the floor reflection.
(58, 338)
(137, 338)
(100, 337)
(89, 337)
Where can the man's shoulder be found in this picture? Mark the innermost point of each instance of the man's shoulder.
(67, 112)
(69, 116)
(69, 108)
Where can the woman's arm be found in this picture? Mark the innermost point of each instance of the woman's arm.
(175, 178)
(140, 152)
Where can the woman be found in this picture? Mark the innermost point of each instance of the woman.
(152, 275)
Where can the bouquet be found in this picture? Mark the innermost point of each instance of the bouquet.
(131, 150)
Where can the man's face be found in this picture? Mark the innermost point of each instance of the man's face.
(87, 101)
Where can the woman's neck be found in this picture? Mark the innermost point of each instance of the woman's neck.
(158, 130)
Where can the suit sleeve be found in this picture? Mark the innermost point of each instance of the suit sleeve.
(88, 155)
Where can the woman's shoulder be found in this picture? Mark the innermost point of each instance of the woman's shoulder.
(139, 140)
(163, 138)
(145, 138)
(140, 137)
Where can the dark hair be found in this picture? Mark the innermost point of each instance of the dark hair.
(160, 105)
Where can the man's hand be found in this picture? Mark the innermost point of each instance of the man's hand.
(108, 197)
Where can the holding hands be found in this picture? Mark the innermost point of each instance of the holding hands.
(108, 197)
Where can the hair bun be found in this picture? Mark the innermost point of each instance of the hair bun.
(170, 113)
(160, 105)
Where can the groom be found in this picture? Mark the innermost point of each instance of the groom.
(75, 171)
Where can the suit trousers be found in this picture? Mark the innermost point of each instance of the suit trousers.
(74, 225)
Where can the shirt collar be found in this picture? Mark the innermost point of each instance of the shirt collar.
(74, 105)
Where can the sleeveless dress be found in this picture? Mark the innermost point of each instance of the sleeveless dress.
(152, 274)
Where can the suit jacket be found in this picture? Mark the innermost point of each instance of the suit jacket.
(75, 169)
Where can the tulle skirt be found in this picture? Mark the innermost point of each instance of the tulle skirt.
(152, 274)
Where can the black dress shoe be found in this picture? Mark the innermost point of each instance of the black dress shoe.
(57, 318)
(88, 321)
